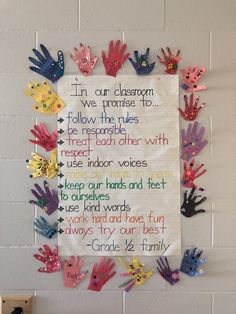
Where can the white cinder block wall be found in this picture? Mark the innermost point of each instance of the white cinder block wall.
(205, 31)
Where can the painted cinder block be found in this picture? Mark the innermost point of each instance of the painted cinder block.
(201, 15)
(224, 217)
(78, 302)
(16, 224)
(15, 60)
(14, 101)
(15, 181)
(121, 14)
(224, 303)
(32, 15)
(168, 303)
(15, 144)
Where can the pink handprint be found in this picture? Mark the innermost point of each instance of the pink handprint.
(72, 274)
(84, 60)
(191, 77)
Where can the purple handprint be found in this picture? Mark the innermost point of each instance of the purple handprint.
(192, 142)
(171, 276)
(47, 200)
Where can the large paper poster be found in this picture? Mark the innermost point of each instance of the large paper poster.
(118, 152)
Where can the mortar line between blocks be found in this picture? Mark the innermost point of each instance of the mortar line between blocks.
(212, 225)
(212, 303)
(123, 302)
(165, 14)
(230, 292)
(36, 40)
(211, 137)
(34, 301)
(23, 246)
(123, 37)
(78, 15)
(210, 49)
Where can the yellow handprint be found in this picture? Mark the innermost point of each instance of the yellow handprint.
(48, 101)
(136, 271)
(43, 167)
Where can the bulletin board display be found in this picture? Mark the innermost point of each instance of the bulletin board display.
(119, 178)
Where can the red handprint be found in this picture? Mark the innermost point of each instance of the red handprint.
(190, 175)
(101, 274)
(50, 258)
(45, 140)
(115, 58)
(191, 110)
(170, 61)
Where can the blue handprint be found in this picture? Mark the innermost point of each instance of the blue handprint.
(191, 262)
(44, 228)
(46, 66)
(141, 65)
